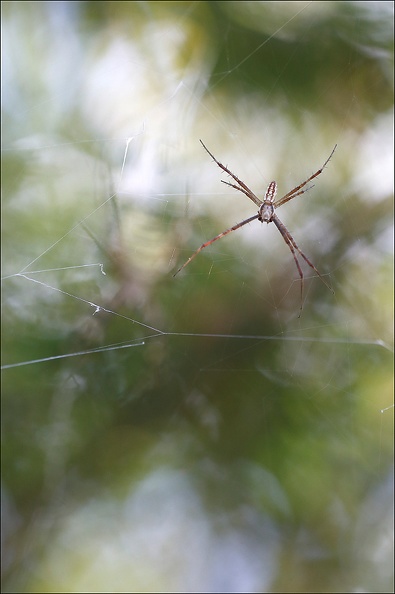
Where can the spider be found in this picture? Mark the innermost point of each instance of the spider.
(266, 214)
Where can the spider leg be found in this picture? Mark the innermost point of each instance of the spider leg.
(295, 191)
(243, 188)
(207, 243)
(291, 195)
(249, 194)
(289, 240)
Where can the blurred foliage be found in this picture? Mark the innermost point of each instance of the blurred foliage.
(231, 446)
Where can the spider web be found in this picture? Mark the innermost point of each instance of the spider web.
(200, 405)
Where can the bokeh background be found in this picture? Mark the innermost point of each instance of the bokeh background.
(193, 433)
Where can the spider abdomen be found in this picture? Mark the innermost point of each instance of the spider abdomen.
(271, 192)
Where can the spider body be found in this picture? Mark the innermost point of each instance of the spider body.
(266, 214)
(266, 209)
